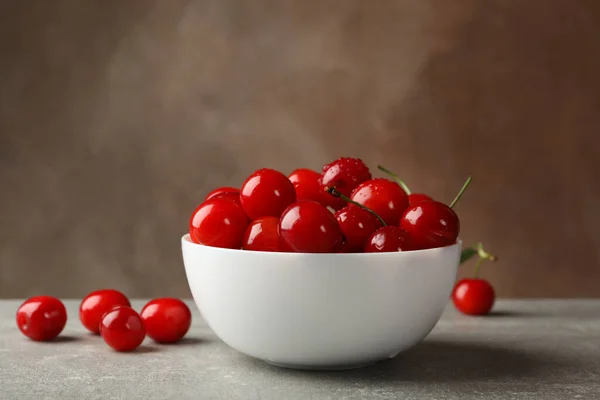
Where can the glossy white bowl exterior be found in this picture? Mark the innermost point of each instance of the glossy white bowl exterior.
(320, 310)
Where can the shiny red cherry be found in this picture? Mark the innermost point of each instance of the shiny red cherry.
(473, 296)
(430, 224)
(41, 318)
(344, 174)
(309, 227)
(308, 187)
(96, 304)
(384, 197)
(266, 193)
(415, 198)
(262, 235)
(357, 224)
(306, 183)
(226, 192)
(167, 320)
(386, 239)
(122, 328)
(218, 222)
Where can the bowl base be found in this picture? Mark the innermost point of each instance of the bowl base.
(341, 367)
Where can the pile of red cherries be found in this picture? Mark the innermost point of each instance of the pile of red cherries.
(342, 209)
(109, 313)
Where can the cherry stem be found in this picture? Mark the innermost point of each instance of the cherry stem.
(396, 178)
(477, 267)
(459, 195)
(336, 193)
(483, 256)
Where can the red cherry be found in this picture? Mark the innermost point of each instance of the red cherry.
(309, 227)
(218, 222)
(122, 328)
(473, 296)
(220, 191)
(96, 304)
(262, 235)
(430, 224)
(308, 187)
(386, 239)
(226, 192)
(41, 318)
(344, 174)
(357, 225)
(167, 320)
(306, 183)
(415, 198)
(384, 197)
(266, 193)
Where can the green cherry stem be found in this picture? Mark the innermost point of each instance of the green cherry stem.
(396, 178)
(459, 195)
(336, 193)
(483, 256)
(477, 267)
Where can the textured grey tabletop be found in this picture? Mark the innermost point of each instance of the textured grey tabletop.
(527, 350)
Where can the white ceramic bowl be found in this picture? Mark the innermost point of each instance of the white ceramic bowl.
(320, 311)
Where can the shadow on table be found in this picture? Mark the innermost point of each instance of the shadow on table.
(504, 314)
(64, 339)
(188, 341)
(438, 362)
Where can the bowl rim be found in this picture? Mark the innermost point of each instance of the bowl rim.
(185, 240)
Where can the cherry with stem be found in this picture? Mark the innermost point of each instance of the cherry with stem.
(483, 256)
(470, 252)
(399, 181)
(408, 192)
(460, 193)
(336, 193)
(474, 296)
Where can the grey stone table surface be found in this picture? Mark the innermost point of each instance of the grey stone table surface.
(526, 350)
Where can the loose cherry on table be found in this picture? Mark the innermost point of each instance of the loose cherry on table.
(41, 318)
(122, 328)
(218, 222)
(475, 296)
(96, 304)
(262, 235)
(226, 192)
(309, 227)
(266, 193)
(167, 320)
(384, 197)
(344, 174)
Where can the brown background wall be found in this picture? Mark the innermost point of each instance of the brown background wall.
(116, 117)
